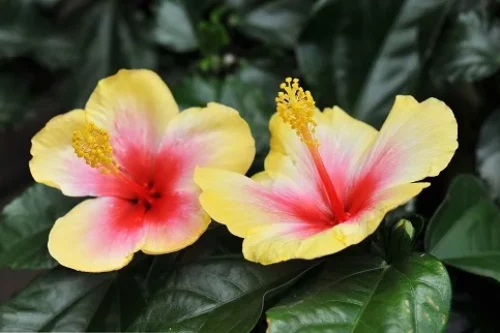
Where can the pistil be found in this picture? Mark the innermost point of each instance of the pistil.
(297, 107)
(93, 145)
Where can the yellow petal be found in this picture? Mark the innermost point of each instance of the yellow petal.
(57, 132)
(135, 101)
(272, 243)
(416, 141)
(270, 225)
(98, 235)
(216, 136)
(55, 163)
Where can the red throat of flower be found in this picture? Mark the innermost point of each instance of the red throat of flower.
(297, 108)
(93, 145)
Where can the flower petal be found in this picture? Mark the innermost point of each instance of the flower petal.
(98, 235)
(133, 102)
(55, 163)
(215, 136)
(416, 141)
(278, 226)
(175, 223)
(135, 107)
(343, 141)
(243, 204)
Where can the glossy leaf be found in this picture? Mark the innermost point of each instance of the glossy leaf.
(113, 37)
(360, 54)
(60, 300)
(221, 295)
(277, 22)
(469, 49)
(465, 230)
(358, 294)
(174, 28)
(488, 152)
(25, 224)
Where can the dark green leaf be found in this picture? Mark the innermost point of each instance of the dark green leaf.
(465, 230)
(469, 49)
(120, 306)
(277, 22)
(113, 37)
(60, 300)
(359, 54)
(212, 34)
(488, 152)
(174, 28)
(196, 91)
(24, 30)
(222, 295)
(364, 294)
(25, 224)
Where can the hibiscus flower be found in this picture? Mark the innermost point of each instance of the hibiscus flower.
(134, 151)
(329, 179)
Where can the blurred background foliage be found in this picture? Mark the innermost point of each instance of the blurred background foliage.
(357, 54)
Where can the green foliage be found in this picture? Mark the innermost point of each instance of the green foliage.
(25, 224)
(215, 295)
(60, 300)
(353, 53)
(364, 294)
(469, 50)
(488, 152)
(465, 230)
(360, 54)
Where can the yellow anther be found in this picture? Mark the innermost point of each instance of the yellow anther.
(296, 107)
(93, 145)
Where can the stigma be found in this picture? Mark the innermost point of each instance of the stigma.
(93, 145)
(297, 107)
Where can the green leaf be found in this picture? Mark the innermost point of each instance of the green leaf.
(113, 36)
(465, 230)
(196, 91)
(223, 295)
(469, 49)
(25, 224)
(25, 31)
(488, 152)
(124, 300)
(60, 300)
(364, 294)
(359, 54)
(277, 22)
(174, 28)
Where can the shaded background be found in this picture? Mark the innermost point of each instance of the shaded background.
(353, 53)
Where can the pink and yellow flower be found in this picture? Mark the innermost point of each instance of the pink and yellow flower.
(134, 151)
(329, 179)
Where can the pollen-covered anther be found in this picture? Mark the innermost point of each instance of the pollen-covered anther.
(93, 145)
(297, 108)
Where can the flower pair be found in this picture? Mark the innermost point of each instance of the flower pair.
(328, 181)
